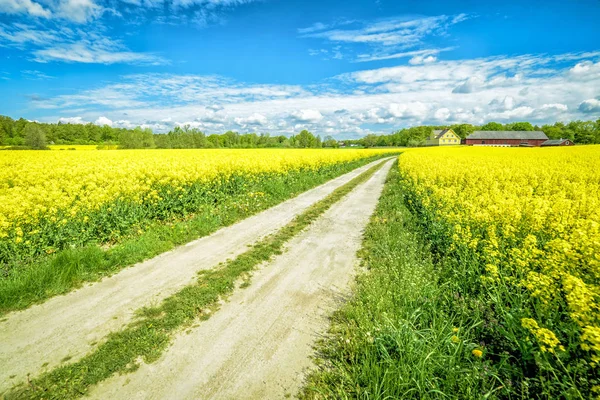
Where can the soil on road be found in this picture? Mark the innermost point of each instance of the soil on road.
(37, 339)
(258, 345)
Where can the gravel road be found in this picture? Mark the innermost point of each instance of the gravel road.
(258, 345)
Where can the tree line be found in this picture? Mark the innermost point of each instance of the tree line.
(22, 133)
(581, 132)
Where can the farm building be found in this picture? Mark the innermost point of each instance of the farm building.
(506, 138)
(442, 138)
(558, 142)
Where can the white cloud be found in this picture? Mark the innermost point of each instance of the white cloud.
(254, 119)
(408, 110)
(442, 114)
(422, 60)
(103, 121)
(391, 31)
(199, 12)
(555, 107)
(72, 120)
(590, 106)
(20, 34)
(586, 70)
(385, 37)
(79, 10)
(418, 56)
(508, 103)
(68, 45)
(517, 113)
(105, 51)
(35, 75)
(502, 88)
(311, 116)
(24, 7)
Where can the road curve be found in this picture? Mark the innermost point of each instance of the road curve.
(258, 344)
(35, 340)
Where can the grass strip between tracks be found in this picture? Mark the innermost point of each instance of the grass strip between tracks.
(147, 337)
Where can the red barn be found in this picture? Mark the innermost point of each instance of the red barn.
(506, 138)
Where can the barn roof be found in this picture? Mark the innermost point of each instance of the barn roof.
(439, 134)
(521, 135)
(554, 142)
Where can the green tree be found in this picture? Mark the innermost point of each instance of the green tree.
(3, 136)
(370, 140)
(306, 139)
(492, 126)
(35, 137)
(521, 126)
(463, 130)
(330, 142)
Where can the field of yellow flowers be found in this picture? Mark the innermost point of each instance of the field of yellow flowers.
(53, 200)
(523, 229)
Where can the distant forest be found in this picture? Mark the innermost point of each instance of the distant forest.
(21, 134)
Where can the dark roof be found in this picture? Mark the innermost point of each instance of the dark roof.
(554, 142)
(521, 135)
(439, 134)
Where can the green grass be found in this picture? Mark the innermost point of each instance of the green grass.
(24, 283)
(150, 334)
(399, 335)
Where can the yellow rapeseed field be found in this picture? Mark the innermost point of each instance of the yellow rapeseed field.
(86, 147)
(41, 192)
(530, 221)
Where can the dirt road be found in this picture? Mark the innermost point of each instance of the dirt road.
(37, 339)
(257, 346)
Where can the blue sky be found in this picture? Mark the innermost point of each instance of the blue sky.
(341, 68)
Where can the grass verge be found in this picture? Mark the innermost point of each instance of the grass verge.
(150, 334)
(397, 336)
(36, 280)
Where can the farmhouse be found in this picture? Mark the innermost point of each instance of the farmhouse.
(506, 138)
(558, 142)
(442, 138)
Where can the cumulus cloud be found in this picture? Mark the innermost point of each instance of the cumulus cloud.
(590, 106)
(508, 103)
(586, 70)
(442, 114)
(468, 86)
(103, 121)
(416, 60)
(555, 107)
(72, 120)
(408, 110)
(254, 119)
(310, 116)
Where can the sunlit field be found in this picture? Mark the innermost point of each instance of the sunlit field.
(73, 147)
(524, 228)
(53, 199)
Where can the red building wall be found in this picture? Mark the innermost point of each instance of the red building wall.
(509, 142)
